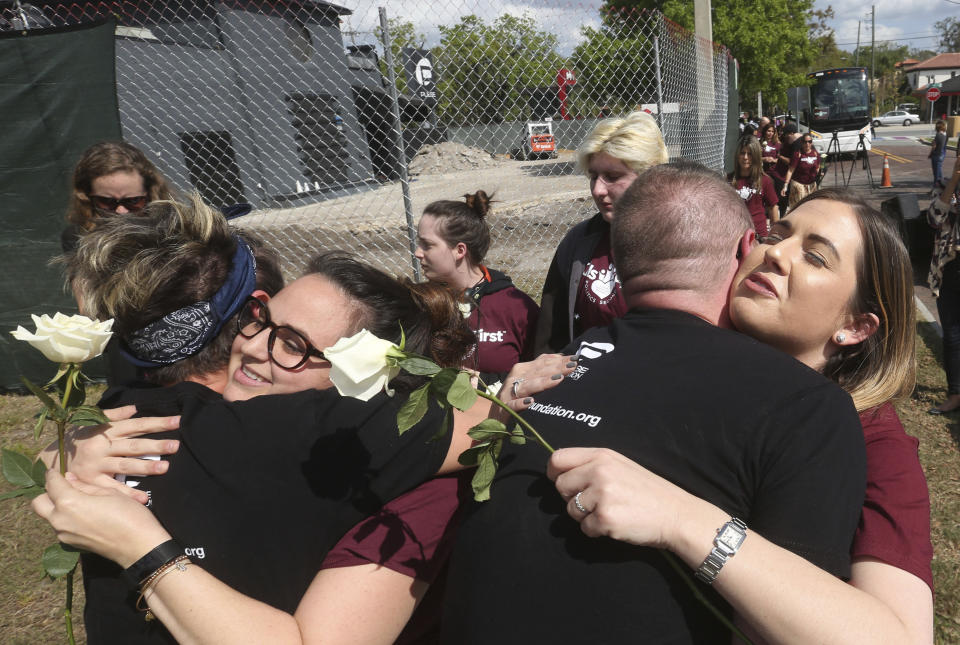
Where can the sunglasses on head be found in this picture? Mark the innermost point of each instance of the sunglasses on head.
(132, 204)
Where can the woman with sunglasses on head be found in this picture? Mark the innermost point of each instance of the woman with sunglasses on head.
(833, 286)
(452, 239)
(281, 478)
(581, 290)
(801, 177)
(111, 178)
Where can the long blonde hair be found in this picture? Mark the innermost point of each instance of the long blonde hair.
(752, 146)
(883, 367)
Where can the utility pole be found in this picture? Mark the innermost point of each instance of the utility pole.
(703, 27)
(873, 52)
(856, 62)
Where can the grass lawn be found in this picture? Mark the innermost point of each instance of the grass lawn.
(30, 606)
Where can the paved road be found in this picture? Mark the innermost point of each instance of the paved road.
(910, 174)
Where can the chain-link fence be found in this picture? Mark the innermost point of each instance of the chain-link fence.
(338, 124)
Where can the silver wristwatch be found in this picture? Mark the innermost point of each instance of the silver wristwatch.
(729, 539)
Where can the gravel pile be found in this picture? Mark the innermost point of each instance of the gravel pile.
(439, 158)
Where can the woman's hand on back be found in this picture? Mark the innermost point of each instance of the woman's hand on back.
(623, 500)
(96, 453)
(532, 377)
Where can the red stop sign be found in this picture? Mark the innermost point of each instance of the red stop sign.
(933, 93)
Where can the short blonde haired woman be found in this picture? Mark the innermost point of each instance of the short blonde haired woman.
(581, 290)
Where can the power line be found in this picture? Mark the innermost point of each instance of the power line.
(892, 40)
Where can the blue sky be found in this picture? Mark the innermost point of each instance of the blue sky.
(908, 22)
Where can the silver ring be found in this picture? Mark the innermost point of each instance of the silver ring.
(576, 502)
(516, 387)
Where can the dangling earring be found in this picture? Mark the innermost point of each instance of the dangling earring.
(841, 337)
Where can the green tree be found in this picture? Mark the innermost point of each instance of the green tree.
(949, 29)
(402, 34)
(486, 70)
(614, 70)
(773, 40)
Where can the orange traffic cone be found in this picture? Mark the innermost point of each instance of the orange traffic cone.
(885, 178)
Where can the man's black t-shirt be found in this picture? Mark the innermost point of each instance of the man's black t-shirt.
(730, 420)
(260, 490)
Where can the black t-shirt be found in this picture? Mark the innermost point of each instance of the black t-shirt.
(730, 420)
(260, 490)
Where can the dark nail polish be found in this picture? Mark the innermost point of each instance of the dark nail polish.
(556, 377)
(527, 401)
(572, 364)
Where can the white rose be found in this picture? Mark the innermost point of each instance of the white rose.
(465, 308)
(67, 339)
(359, 365)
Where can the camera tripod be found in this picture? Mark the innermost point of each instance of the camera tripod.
(833, 148)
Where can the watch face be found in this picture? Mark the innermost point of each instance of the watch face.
(731, 537)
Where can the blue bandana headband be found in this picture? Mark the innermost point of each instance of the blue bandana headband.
(184, 332)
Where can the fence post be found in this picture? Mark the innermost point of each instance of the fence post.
(398, 138)
(656, 71)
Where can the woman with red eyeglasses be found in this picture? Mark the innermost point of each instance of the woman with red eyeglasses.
(111, 178)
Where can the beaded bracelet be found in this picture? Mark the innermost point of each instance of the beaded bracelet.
(180, 562)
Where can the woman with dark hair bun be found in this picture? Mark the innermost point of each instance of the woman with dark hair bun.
(452, 239)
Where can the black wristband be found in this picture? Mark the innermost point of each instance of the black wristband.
(159, 556)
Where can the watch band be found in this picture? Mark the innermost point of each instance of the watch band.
(722, 550)
(156, 558)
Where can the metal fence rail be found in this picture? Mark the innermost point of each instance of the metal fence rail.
(294, 107)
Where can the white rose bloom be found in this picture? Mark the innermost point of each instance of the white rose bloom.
(67, 339)
(359, 365)
(465, 308)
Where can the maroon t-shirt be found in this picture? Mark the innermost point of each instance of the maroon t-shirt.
(757, 202)
(412, 535)
(769, 149)
(786, 150)
(505, 323)
(805, 166)
(599, 297)
(895, 522)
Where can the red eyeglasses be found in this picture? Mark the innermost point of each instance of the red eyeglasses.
(111, 204)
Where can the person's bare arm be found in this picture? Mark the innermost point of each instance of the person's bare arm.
(781, 596)
(197, 608)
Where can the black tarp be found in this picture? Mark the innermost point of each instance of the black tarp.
(57, 97)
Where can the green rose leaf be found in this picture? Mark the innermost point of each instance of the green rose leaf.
(445, 426)
(419, 366)
(39, 473)
(487, 429)
(486, 471)
(413, 408)
(17, 468)
(53, 408)
(517, 437)
(88, 415)
(442, 381)
(471, 456)
(41, 419)
(58, 562)
(461, 394)
(29, 493)
(78, 391)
